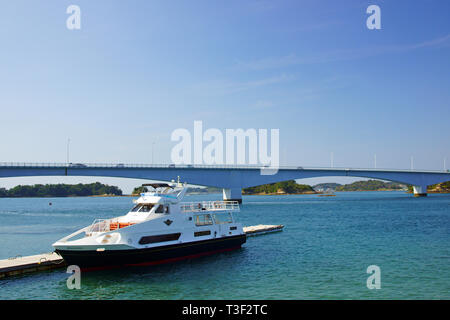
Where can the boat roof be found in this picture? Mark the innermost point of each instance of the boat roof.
(157, 185)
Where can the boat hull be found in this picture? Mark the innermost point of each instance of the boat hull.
(95, 260)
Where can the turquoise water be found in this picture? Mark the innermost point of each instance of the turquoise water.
(323, 253)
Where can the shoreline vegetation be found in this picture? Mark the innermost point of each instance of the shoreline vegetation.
(60, 190)
(289, 187)
(372, 185)
(280, 188)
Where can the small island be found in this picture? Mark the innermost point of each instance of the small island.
(443, 187)
(60, 190)
(326, 187)
(291, 187)
(372, 185)
(378, 185)
(280, 188)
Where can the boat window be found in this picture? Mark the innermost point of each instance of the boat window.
(136, 208)
(202, 233)
(146, 208)
(162, 209)
(160, 238)
(223, 217)
(203, 220)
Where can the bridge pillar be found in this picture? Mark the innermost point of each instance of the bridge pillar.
(420, 191)
(232, 194)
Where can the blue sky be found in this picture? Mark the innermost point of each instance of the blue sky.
(137, 70)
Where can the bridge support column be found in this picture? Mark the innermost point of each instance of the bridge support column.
(232, 194)
(420, 191)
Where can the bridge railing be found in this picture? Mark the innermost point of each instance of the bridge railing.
(117, 165)
(133, 165)
(193, 166)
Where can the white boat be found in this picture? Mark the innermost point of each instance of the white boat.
(158, 229)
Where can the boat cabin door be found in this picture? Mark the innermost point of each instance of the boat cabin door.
(223, 229)
(222, 221)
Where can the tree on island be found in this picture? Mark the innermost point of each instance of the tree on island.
(138, 190)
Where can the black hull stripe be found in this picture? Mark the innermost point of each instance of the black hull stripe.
(90, 259)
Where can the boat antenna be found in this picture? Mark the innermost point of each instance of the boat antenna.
(179, 184)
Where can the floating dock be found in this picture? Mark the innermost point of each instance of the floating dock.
(41, 262)
(262, 229)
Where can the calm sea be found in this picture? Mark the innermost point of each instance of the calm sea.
(323, 252)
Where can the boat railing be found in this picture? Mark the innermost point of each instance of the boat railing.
(99, 225)
(209, 206)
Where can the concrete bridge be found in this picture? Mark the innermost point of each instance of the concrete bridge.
(231, 178)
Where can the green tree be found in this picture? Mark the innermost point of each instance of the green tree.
(3, 192)
(138, 190)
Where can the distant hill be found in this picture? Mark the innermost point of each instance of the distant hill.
(326, 186)
(60, 190)
(206, 190)
(285, 187)
(371, 185)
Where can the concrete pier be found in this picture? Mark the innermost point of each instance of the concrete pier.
(420, 191)
(232, 194)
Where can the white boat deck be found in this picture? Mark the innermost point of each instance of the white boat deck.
(40, 262)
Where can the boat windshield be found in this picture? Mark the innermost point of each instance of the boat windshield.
(142, 208)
